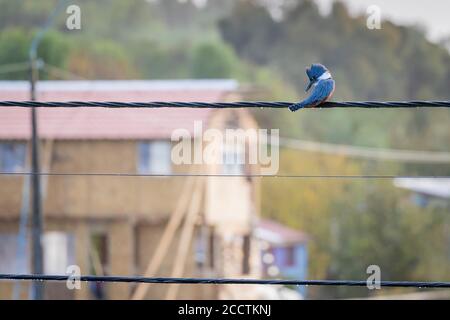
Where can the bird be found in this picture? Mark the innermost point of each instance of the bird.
(323, 87)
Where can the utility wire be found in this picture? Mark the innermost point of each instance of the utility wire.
(156, 175)
(128, 279)
(224, 105)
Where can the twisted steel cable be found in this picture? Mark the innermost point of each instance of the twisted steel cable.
(129, 279)
(223, 105)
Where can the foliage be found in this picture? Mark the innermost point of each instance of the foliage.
(213, 60)
(357, 223)
(394, 63)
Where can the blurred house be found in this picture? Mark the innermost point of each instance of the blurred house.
(426, 192)
(110, 224)
(284, 251)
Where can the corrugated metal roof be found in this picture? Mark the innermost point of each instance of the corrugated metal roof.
(113, 85)
(101, 123)
(278, 234)
(429, 186)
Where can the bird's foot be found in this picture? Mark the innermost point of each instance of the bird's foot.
(295, 107)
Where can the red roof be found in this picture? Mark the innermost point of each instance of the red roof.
(278, 234)
(107, 123)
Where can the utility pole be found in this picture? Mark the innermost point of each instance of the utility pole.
(37, 220)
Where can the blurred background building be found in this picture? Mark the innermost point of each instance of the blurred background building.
(427, 192)
(284, 251)
(112, 224)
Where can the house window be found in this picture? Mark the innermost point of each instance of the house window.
(12, 157)
(99, 253)
(59, 252)
(212, 248)
(246, 254)
(201, 249)
(154, 157)
(99, 263)
(10, 261)
(205, 248)
(290, 256)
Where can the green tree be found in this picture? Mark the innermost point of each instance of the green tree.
(213, 60)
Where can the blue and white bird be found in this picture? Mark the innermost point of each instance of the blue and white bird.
(323, 87)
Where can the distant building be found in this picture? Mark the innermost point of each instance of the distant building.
(426, 192)
(113, 225)
(285, 251)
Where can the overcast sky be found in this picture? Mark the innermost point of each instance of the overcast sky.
(433, 14)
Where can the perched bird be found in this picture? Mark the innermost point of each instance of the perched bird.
(323, 87)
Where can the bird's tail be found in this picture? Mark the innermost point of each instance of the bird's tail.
(297, 106)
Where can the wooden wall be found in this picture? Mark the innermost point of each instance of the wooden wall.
(133, 211)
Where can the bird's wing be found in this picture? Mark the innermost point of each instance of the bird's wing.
(321, 92)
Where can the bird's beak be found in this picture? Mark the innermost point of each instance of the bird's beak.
(309, 85)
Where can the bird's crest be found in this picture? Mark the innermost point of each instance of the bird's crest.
(315, 71)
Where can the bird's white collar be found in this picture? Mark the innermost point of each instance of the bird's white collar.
(325, 76)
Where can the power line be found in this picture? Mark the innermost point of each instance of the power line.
(224, 105)
(129, 279)
(205, 175)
